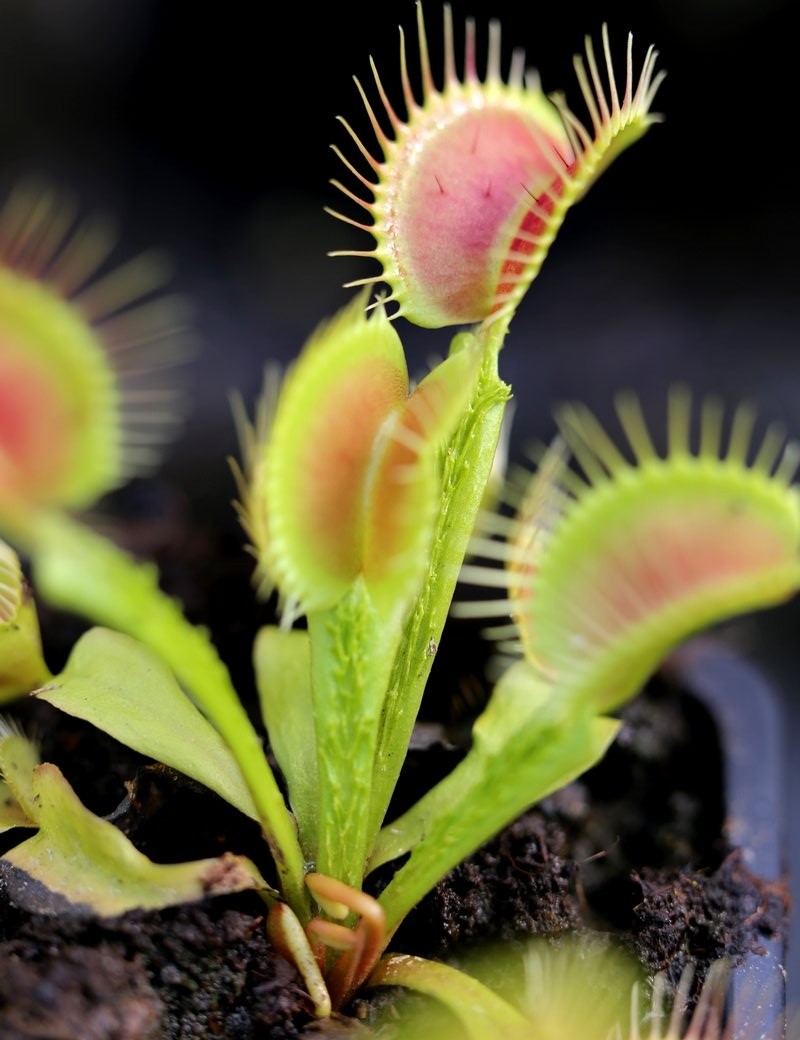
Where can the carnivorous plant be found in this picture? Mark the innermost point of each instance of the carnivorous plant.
(362, 493)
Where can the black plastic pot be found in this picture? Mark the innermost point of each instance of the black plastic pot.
(747, 712)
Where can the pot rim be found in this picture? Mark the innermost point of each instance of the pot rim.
(747, 711)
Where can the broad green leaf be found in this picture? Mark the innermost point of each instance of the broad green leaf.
(282, 662)
(121, 687)
(91, 863)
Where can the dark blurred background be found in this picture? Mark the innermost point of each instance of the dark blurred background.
(206, 129)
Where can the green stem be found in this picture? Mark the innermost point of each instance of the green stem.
(82, 572)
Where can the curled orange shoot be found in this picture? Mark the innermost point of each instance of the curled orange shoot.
(362, 946)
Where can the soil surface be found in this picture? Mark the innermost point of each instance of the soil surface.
(635, 849)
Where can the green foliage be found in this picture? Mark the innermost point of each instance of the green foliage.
(360, 493)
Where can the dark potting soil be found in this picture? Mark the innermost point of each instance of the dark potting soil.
(635, 848)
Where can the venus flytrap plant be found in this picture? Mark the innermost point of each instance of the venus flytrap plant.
(485, 201)
(360, 493)
(86, 399)
(574, 986)
(536, 733)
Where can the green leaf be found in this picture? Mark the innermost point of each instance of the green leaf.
(282, 662)
(532, 739)
(91, 864)
(122, 688)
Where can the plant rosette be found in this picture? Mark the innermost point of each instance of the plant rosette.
(368, 498)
